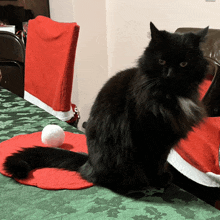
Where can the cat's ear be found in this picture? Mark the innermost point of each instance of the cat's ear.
(155, 33)
(202, 34)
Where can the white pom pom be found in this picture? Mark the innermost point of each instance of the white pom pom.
(53, 135)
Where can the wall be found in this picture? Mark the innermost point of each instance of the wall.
(91, 60)
(91, 64)
(128, 24)
(113, 34)
(60, 11)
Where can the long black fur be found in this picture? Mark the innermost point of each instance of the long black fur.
(137, 117)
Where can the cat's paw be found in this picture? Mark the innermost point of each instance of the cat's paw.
(163, 180)
(166, 179)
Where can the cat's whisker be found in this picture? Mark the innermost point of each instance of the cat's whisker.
(151, 83)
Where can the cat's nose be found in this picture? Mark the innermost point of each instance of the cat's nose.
(169, 73)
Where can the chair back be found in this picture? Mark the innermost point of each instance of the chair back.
(211, 51)
(12, 57)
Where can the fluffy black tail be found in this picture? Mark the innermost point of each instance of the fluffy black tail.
(21, 163)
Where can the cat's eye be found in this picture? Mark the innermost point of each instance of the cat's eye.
(162, 62)
(183, 64)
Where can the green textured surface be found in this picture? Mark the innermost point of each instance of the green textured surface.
(26, 202)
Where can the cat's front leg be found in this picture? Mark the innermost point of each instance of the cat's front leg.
(161, 176)
(161, 181)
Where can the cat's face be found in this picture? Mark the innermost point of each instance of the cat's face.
(175, 58)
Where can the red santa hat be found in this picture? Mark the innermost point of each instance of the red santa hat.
(197, 157)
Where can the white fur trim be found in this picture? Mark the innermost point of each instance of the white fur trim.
(63, 116)
(207, 179)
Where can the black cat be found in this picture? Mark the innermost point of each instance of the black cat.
(137, 117)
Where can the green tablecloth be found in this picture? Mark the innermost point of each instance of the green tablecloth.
(17, 201)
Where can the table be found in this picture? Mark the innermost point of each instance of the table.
(17, 201)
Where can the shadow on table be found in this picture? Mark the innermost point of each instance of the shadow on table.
(169, 195)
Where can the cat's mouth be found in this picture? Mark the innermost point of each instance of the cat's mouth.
(169, 82)
(167, 87)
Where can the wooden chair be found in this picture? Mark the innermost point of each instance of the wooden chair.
(12, 58)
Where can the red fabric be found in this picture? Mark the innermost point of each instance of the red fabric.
(50, 56)
(217, 205)
(201, 148)
(205, 86)
(47, 178)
